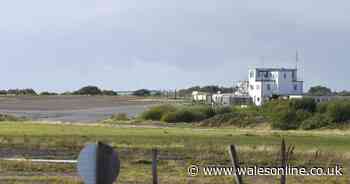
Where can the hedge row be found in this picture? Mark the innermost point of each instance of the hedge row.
(306, 114)
(175, 114)
(280, 114)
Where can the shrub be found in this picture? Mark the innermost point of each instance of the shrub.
(275, 106)
(204, 109)
(317, 121)
(7, 117)
(223, 110)
(109, 93)
(285, 120)
(322, 107)
(238, 119)
(306, 104)
(302, 115)
(3, 92)
(183, 115)
(21, 92)
(221, 119)
(156, 112)
(320, 91)
(46, 93)
(88, 90)
(142, 92)
(120, 117)
(67, 93)
(339, 111)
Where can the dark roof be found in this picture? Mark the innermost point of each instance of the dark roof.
(276, 69)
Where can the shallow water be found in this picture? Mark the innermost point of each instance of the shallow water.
(82, 115)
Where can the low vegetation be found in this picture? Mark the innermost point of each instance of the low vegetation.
(120, 117)
(91, 90)
(88, 90)
(142, 92)
(178, 148)
(306, 114)
(180, 113)
(279, 114)
(46, 93)
(17, 92)
(7, 117)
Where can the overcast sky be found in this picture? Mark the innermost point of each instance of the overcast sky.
(161, 44)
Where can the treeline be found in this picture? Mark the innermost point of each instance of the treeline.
(303, 114)
(18, 92)
(325, 91)
(306, 114)
(87, 90)
(93, 90)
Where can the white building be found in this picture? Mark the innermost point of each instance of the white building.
(230, 99)
(264, 83)
(201, 97)
(242, 88)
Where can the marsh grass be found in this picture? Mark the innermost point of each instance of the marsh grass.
(179, 148)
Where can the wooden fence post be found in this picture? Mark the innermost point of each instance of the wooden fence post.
(154, 166)
(283, 161)
(235, 164)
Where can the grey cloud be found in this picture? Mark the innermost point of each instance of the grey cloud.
(197, 41)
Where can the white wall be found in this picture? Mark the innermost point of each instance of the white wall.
(279, 82)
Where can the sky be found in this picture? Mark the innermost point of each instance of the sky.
(156, 44)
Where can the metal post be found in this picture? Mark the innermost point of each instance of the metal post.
(284, 162)
(235, 164)
(154, 166)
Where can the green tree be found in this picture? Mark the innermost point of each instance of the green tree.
(306, 104)
(344, 93)
(320, 91)
(46, 93)
(316, 121)
(142, 92)
(88, 90)
(339, 110)
(109, 93)
(285, 120)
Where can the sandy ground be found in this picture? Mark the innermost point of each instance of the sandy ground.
(72, 108)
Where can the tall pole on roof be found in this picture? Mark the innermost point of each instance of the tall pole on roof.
(296, 59)
(262, 61)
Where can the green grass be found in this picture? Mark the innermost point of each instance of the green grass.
(188, 145)
(167, 137)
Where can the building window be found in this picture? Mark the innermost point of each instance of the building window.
(266, 74)
(257, 87)
(268, 87)
(251, 74)
(293, 75)
(251, 87)
(284, 75)
(295, 87)
(258, 99)
(258, 74)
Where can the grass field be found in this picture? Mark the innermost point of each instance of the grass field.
(179, 147)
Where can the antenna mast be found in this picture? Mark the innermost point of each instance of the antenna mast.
(262, 58)
(296, 59)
